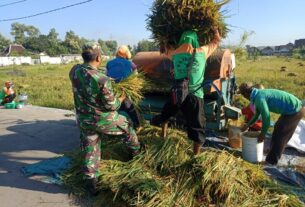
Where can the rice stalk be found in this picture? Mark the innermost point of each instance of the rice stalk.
(170, 18)
(132, 87)
(167, 174)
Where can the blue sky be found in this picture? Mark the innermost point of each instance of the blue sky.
(273, 21)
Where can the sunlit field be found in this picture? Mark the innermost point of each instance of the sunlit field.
(49, 85)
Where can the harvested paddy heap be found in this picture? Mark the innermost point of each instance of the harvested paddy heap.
(167, 174)
(170, 18)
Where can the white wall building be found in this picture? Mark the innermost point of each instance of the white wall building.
(71, 58)
(6, 61)
(45, 59)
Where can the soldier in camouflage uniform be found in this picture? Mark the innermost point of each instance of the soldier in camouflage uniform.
(96, 108)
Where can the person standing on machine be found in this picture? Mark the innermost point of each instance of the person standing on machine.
(189, 62)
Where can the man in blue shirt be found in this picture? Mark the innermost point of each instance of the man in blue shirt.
(119, 69)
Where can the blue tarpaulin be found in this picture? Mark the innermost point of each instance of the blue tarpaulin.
(290, 178)
(52, 167)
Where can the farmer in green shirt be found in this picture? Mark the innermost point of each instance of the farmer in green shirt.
(7, 93)
(190, 53)
(271, 100)
(97, 112)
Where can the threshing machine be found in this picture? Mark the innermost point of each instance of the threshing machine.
(219, 86)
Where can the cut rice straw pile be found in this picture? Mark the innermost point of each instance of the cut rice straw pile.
(167, 174)
(170, 18)
(132, 87)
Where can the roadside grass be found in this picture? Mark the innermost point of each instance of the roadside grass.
(49, 85)
(46, 85)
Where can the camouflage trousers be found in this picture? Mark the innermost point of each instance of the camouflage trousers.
(91, 142)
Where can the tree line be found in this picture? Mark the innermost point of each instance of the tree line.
(31, 38)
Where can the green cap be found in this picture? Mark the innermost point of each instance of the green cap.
(189, 37)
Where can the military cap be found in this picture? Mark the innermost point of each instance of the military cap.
(91, 47)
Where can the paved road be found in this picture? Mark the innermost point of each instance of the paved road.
(27, 136)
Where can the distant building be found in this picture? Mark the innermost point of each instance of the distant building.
(284, 50)
(290, 46)
(45, 59)
(268, 51)
(252, 50)
(13, 49)
(6, 61)
(299, 43)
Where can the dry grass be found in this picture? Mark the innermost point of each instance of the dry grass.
(47, 85)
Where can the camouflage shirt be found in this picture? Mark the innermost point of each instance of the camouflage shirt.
(93, 95)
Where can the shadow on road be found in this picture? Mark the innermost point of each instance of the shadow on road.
(31, 142)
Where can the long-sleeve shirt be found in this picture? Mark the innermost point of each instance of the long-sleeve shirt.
(272, 100)
(93, 95)
(120, 68)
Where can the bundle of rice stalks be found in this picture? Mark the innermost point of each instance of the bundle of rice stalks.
(164, 155)
(111, 150)
(222, 179)
(214, 177)
(170, 18)
(125, 180)
(167, 174)
(132, 87)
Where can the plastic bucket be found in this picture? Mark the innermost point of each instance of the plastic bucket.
(19, 105)
(11, 105)
(251, 150)
(235, 140)
(23, 98)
